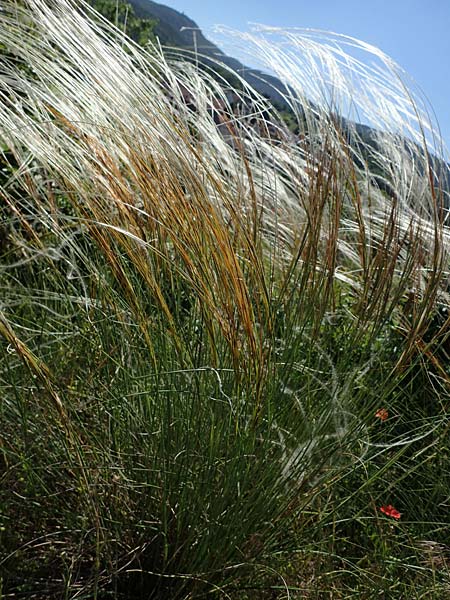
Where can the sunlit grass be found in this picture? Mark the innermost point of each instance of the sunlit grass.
(202, 315)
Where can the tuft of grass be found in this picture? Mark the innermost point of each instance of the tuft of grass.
(202, 315)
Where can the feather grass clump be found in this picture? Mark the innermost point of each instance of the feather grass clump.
(202, 311)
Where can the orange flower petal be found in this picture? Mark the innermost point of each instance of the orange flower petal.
(390, 511)
(382, 414)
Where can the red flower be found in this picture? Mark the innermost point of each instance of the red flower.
(382, 414)
(390, 511)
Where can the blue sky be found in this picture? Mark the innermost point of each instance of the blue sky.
(415, 33)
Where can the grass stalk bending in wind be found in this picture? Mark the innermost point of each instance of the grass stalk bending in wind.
(225, 346)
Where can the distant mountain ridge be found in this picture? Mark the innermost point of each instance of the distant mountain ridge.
(170, 24)
(176, 29)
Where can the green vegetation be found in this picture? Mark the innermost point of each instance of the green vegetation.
(122, 15)
(224, 348)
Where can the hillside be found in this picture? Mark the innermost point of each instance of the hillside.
(176, 29)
